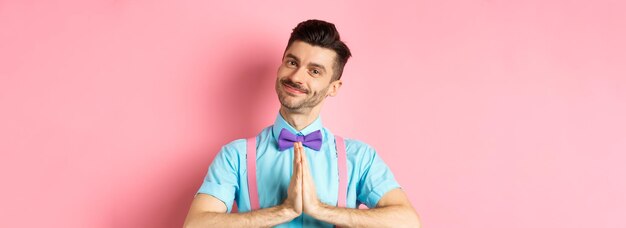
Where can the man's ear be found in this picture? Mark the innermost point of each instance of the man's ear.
(334, 88)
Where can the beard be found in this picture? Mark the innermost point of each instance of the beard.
(293, 103)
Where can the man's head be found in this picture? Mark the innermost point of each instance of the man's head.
(312, 66)
(322, 34)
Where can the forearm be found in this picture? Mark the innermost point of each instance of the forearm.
(389, 216)
(266, 217)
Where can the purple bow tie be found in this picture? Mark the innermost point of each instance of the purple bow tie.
(312, 140)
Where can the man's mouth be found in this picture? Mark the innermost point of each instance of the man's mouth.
(292, 89)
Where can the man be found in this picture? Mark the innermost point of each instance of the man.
(298, 186)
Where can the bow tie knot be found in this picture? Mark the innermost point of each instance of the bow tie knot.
(286, 140)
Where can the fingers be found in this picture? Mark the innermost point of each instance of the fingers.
(297, 156)
(295, 184)
(300, 167)
(294, 197)
(298, 179)
(305, 161)
(307, 178)
(297, 165)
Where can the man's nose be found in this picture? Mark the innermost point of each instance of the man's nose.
(299, 75)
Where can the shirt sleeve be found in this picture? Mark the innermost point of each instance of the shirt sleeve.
(376, 178)
(222, 178)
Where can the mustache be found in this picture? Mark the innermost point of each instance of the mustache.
(292, 84)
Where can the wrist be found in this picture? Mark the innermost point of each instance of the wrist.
(317, 210)
(287, 211)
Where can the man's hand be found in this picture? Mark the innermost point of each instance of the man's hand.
(301, 195)
(294, 192)
(208, 211)
(393, 209)
(310, 202)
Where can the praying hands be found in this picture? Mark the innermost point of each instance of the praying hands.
(301, 194)
(392, 210)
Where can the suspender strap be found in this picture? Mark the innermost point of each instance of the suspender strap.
(343, 170)
(251, 160)
(341, 166)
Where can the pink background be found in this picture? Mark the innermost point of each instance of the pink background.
(490, 113)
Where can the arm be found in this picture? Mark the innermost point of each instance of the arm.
(208, 211)
(392, 210)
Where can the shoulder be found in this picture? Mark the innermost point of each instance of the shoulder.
(235, 145)
(238, 147)
(233, 151)
(359, 150)
(355, 145)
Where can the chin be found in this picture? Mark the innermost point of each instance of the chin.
(290, 103)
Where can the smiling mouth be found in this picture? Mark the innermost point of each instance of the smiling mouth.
(293, 90)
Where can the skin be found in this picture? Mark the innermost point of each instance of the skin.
(304, 80)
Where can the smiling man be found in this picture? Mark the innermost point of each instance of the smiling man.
(306, 175)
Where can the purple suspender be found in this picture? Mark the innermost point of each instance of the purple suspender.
(341, 164)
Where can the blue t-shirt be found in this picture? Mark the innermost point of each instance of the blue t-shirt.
(369, 178)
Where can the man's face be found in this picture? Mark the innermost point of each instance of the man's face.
(304, 77)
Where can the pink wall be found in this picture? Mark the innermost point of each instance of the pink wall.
(503, 114)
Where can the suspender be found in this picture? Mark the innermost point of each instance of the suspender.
(343, 171)
(251, 160)
(252, 184)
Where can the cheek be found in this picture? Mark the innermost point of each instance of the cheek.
(282, 71)
(317, 87)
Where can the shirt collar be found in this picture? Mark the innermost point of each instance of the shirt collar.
(281, 123)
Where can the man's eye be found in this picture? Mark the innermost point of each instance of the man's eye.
(291, 62)
(315, 71)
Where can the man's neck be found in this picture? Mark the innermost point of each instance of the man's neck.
(299, 120)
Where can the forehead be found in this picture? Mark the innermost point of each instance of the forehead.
(307, 53)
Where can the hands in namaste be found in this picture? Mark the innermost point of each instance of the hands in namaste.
(301, 194)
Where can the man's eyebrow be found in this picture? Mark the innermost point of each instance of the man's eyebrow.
(289, 55)
(318, 66)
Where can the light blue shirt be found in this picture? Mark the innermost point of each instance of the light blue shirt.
(369, 177)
